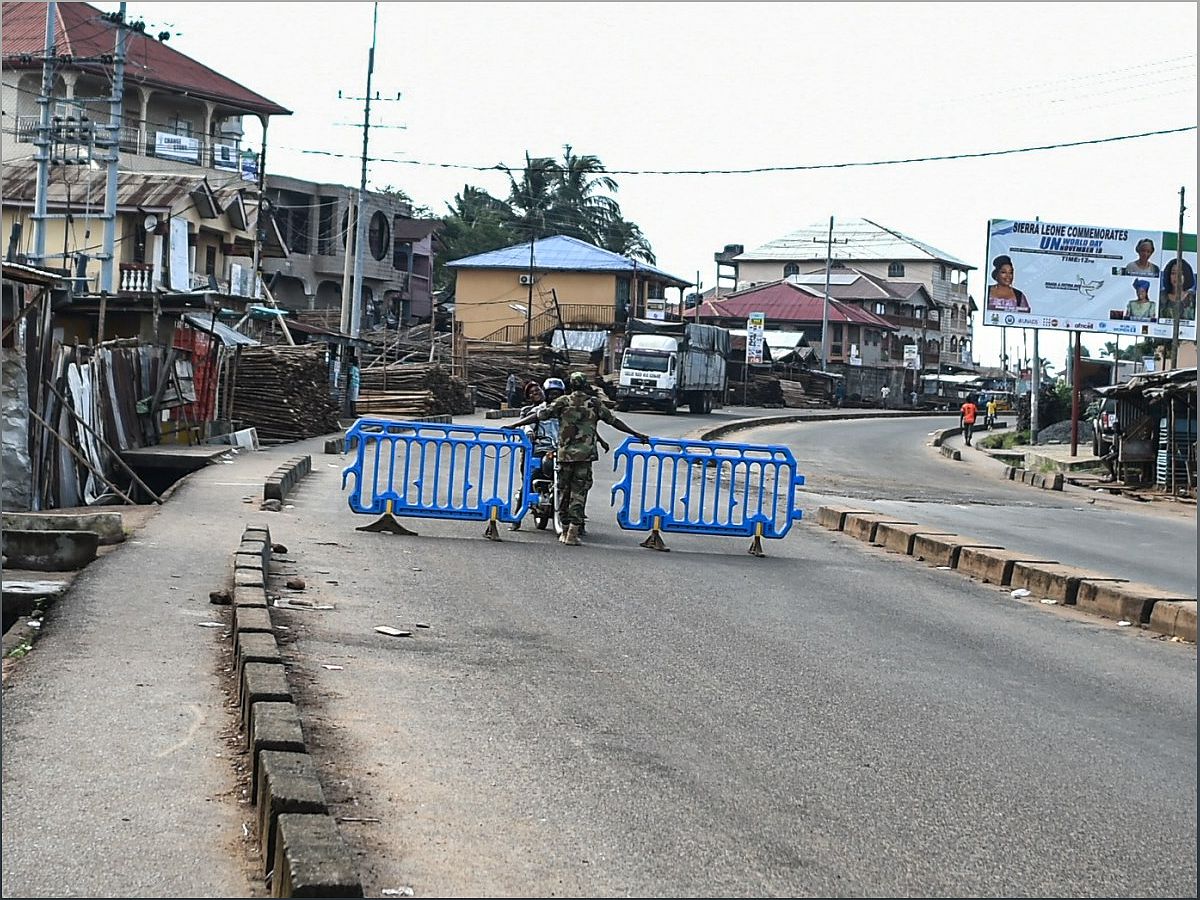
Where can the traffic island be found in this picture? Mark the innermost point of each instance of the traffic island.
(863, 525)
(899, 538)
(993, 564)
(1053, 580)
(1175, 618)
(1124, 600)
(834, 517)
(944, 549)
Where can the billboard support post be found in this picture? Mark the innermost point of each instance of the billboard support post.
(1035, 390)
(1076, 377)
(1181, 290)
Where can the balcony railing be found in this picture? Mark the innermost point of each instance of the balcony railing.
(24, 130)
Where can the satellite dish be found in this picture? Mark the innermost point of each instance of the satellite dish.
(150, 222)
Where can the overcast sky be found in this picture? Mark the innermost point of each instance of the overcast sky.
(737, 85)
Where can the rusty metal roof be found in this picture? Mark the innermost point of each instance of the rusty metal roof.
(81, 31)
(70, 185)
(30, 274)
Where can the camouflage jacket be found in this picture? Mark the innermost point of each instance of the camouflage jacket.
(578, 414)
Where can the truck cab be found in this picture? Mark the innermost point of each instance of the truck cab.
(648, 371)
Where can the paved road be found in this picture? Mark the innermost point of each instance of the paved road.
(831, 720)
(886, 464)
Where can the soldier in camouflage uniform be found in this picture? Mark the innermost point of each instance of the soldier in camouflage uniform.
(578, 412)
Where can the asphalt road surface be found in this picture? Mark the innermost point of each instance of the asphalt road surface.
(831, 720)
(886, 464)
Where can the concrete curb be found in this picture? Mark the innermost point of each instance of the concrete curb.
(107, 525)
(741, 424)
(280, 482)
(1051, 482)
(950, 452)
(298, 838)
(43, 550)
(1156, 609)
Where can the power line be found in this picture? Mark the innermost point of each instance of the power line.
(501, 167)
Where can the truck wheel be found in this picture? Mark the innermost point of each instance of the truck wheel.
(669, 407)
(696, 405)
(708, 404)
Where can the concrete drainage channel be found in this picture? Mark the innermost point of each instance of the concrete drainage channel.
(303, 852)
(1161, 611)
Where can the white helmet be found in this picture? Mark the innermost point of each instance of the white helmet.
(554, 384)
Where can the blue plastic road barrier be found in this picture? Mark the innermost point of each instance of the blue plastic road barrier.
(706, 487)
(436, 471)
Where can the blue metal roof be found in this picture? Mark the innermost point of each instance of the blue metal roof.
(561, 253)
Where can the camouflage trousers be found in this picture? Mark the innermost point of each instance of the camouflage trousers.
(574, 482)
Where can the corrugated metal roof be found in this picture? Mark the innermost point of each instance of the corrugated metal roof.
(134, 189)
(861, 239)
(860, 286)
(783, 302)
(30, 274)
(81, 31)
(228, 337)
(562, 254)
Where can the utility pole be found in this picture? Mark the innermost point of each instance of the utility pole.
(1035, 391)
(42, 140)
(825, 301)
(115, 120)
(529, 299)
(361, 222)
(699, 285)
(1178, 291)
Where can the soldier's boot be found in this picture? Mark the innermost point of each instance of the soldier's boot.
(571, 537)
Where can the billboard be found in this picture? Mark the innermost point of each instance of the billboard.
(1118, 281)
(176, 146)
(755, 325)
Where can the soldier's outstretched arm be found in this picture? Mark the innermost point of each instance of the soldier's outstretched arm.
(621, 426)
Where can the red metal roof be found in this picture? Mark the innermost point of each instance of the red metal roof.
(82, 32)
(784, 302)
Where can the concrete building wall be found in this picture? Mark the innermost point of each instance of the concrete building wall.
(482, 296)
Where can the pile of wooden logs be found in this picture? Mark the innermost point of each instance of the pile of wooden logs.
(284, 393)
(796, 395)
(412, 389)
(489, 363)
(762, 391)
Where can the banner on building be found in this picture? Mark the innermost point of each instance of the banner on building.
(249, 167)
(180, 276)
(1119, 281)
(176, 146)
(912, 359)
(756, 323)
(225, 157)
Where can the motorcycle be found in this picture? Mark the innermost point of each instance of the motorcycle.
(544, 504)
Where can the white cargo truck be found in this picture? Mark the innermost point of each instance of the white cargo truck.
(669, 364)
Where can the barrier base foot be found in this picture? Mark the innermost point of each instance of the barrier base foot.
(756, 547)
(655, 542)
(491, 532)
(387, 524)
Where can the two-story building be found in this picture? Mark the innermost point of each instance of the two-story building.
(520, 291)
(178, 114)
(857, 336)
(314, 219)
(187, 195)
(905, 304)
(875, 250)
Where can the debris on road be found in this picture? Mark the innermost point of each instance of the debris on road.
(278, 548)
(331, 667)
(211, 624)
(219, 598)
(271, 506)
(392, 632)
(1048, 601)
(1124, 622)
(422, 625)
(1020, 592)
(296, 583)
(397, 892)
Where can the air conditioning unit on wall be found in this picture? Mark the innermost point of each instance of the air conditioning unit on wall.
(526, 279)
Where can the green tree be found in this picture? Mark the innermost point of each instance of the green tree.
(579, 208)
(476, 223)
(624, 237)
(533, 197)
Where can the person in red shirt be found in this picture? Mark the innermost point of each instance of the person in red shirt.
(966, 419)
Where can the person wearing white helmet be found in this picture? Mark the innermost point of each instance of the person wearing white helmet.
(542, 434)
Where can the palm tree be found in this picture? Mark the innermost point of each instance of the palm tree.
(624, 237)
(532, 197)
(579, 208)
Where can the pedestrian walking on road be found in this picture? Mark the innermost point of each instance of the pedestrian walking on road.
(989, 420)
(578, 413)
(884, 393)
(966, 420)
(512, 388)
